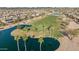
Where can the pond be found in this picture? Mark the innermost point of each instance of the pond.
(7, 42)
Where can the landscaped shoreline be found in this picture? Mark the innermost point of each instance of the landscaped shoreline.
(34, 32)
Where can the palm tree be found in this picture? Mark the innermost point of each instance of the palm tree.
(24, 35)
(16, 37)
(17, 34)
(27, 32)
(25, 38)
(40, 41)
(17, 40)
(37, 35)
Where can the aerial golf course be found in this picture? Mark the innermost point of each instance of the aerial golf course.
(37, 29)
(49, 25)
(45, 28)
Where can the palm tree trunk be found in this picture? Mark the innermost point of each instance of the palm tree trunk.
(40, 46)
(18, 45)
(25, 45)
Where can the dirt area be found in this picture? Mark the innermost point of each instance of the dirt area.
(68, 45)
(72, 25)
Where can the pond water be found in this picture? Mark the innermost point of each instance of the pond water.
(7, 42)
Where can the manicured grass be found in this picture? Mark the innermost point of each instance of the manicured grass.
(47, 21)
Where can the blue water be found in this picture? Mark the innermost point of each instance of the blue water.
(50, 44)
(7, 42)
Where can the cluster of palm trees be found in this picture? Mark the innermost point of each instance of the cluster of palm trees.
(31, 31)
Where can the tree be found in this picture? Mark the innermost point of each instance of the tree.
(40, 41)
(17, 39)
(37, 35)
(25, 38)
(17, 34)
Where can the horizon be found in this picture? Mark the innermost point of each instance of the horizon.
(38, 3)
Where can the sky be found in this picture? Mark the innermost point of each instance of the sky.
(39, 3)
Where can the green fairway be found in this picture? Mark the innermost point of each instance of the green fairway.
(44, 23)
